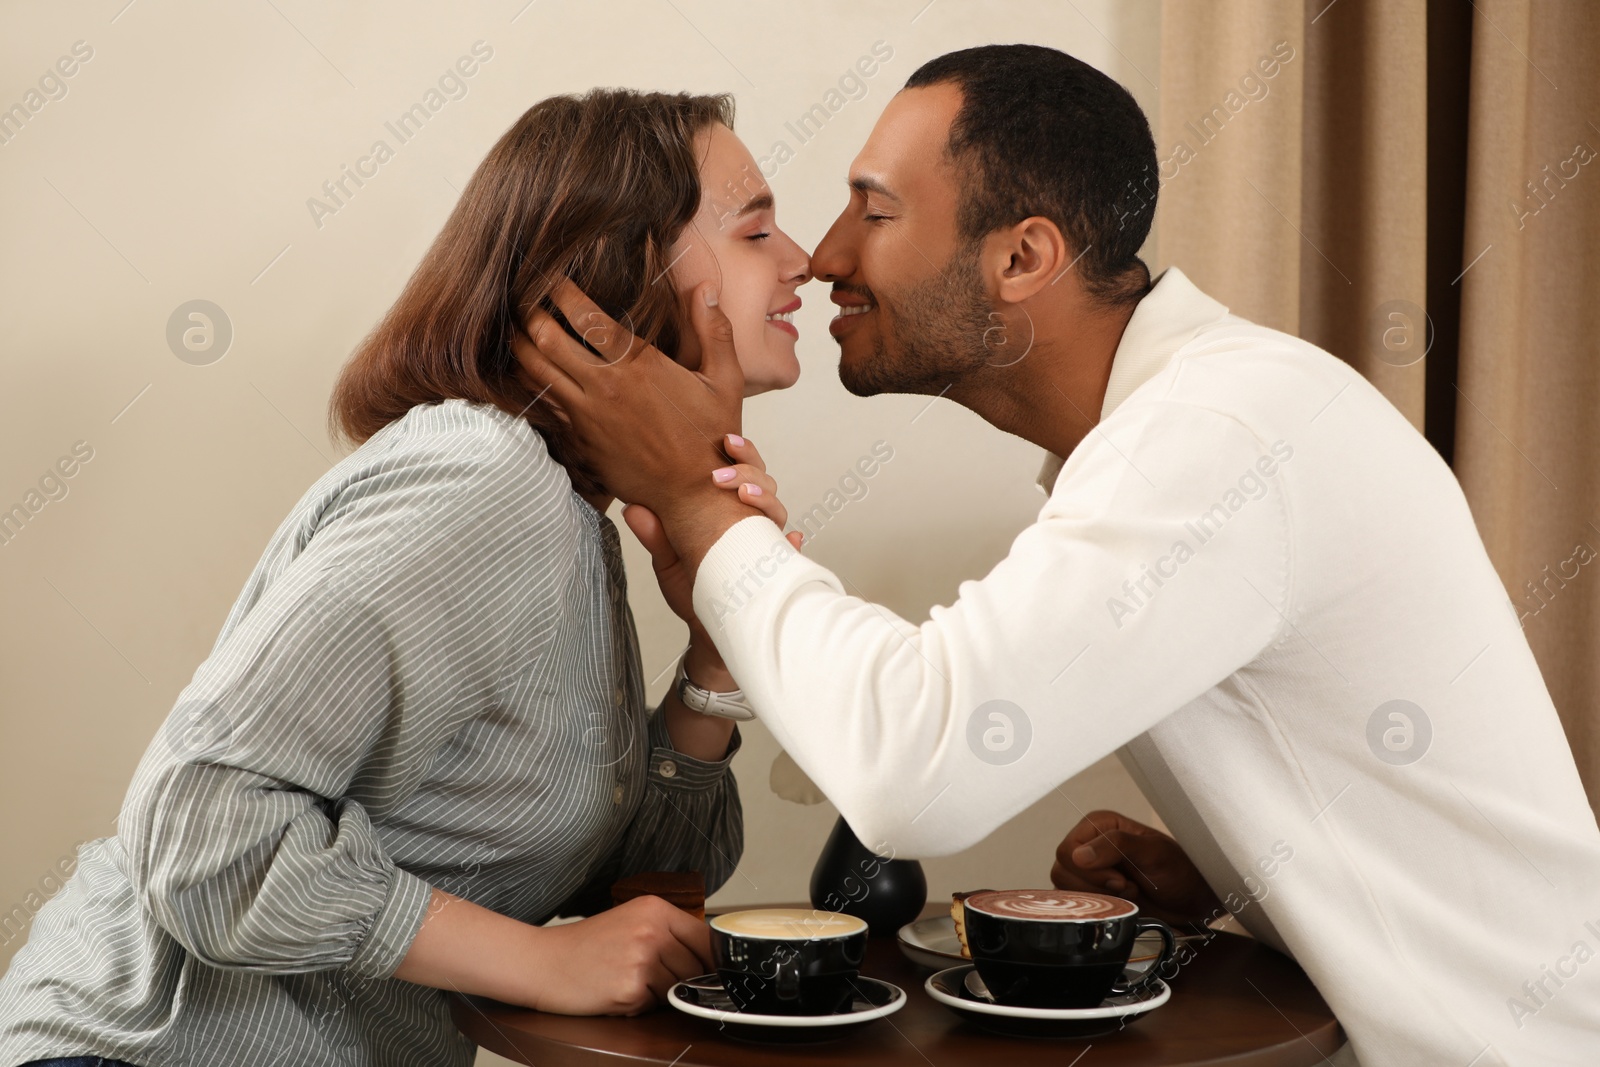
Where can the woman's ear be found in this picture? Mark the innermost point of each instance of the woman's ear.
(688, 352)
(690, 262)
(1031, 256)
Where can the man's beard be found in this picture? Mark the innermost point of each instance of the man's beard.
(938, 336)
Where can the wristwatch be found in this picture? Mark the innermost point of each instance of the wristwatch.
(730, 705)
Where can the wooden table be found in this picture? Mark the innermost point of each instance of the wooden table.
(1236, 1002)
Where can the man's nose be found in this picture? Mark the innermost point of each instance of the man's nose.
(833, 259)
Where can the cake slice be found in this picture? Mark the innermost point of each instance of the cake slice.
(958, 914)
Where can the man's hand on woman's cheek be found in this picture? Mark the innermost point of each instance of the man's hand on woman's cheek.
(650, 429)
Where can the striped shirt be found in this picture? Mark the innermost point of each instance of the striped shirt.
(431, 678)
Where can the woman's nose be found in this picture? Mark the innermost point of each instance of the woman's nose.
(800, 268)
(803, 275)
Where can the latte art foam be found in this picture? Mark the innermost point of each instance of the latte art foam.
(1058, 904)
(788, 924)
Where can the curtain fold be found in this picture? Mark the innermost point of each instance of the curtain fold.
(1527, 430)
(1412, 185)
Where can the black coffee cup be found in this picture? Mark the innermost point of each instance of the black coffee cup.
(1041, 948)
(788, 961)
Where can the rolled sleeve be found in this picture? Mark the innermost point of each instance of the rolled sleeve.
(691, 817)
(673, 770)
(394, 927)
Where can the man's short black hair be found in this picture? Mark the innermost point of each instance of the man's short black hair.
(1042, 133)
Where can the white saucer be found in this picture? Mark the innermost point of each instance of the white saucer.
(931, 942)
(706, 998)
(951, 988)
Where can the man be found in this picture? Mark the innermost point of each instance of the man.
(1253, 580)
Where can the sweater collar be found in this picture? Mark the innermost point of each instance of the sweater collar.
(1168, 316)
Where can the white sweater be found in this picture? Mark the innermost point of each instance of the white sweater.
(1234, 576)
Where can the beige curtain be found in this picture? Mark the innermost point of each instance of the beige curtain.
(1527, 439)
(1388, 179)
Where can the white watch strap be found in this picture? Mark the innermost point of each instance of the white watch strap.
(730, 705)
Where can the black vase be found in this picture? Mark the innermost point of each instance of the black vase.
(850, 878)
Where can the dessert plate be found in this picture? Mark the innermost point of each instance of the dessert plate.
(931, 942)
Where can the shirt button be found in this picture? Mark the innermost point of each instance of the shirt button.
(616, 698)
(616, 795)
(668, 769)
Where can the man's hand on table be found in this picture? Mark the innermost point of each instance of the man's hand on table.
(651, 429)
(1107, 852)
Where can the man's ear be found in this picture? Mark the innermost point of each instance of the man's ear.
(1031, 256)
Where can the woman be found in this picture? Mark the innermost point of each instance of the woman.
(421, 731)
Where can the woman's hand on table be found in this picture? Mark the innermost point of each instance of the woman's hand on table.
(619, 962)
(1107, 852)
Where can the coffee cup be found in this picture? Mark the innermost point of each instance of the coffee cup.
(788, 961)
(1057, 948)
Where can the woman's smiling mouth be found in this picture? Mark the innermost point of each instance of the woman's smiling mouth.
(783, 318)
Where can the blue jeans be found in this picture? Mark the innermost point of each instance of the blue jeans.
(78, 1061)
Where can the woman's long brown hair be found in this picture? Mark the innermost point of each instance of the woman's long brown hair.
(596, 187)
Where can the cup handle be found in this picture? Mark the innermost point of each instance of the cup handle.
(786, 976)
(1169, 948)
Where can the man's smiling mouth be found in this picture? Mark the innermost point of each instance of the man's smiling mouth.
(851, 306)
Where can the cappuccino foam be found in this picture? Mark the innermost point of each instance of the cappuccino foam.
(1047, 904)
(788, 924)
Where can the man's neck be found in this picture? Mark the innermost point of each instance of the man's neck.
(1052, 396)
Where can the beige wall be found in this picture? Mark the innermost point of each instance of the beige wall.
(178, 166)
